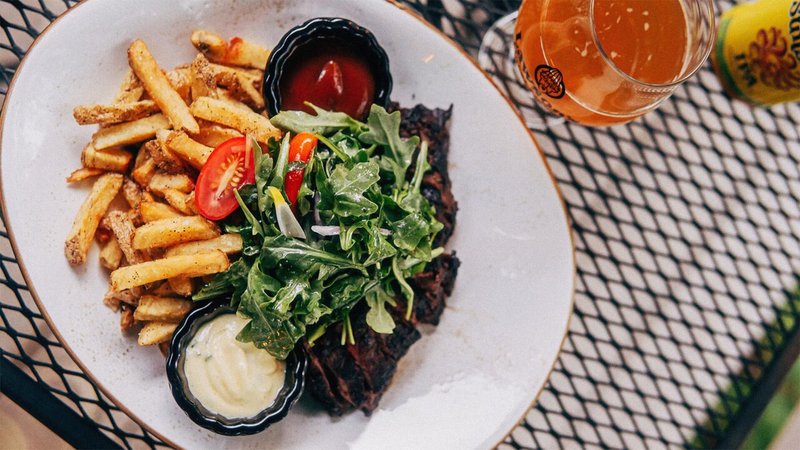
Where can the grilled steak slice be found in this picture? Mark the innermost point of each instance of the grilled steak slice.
(333, 377)
(433, 286)
(347, 377)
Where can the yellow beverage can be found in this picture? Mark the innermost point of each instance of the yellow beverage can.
(757, 54)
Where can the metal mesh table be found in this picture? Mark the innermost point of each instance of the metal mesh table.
(687, 227)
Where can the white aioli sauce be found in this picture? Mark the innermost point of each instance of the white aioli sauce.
(231, 378)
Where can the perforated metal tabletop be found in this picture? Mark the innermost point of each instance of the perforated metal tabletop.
(687, 227)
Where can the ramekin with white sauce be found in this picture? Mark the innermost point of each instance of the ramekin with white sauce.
(227, 386)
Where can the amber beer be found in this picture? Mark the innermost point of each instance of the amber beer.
(757, 54)
(604, 62)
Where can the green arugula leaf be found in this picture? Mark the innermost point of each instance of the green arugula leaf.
(347, 290)
(378, 318)
(309, 308)
(225, 283)
(281, 163)
(409, 231)
(287, 294)
(406, 289)
(414, 201)
(384, 129)
(347, 234)
(256, 226)
(266, 330)
(349, 185)
(261, 285)
(378, 247)
(306, 193)
(263, 171)
(287, 251)
(324, 122)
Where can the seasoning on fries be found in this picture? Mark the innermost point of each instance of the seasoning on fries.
(168, 232)
(161, 269)
(240, 119)
(114, 113)
(89, 216)
(158, 86)
(130, 132)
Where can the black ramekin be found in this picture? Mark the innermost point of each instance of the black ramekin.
(361, 40)
(288, 395)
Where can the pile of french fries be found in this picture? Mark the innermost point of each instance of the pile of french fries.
(151, 142)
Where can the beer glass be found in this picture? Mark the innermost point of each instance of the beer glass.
(606, 62)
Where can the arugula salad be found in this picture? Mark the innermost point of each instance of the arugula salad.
(335, 217)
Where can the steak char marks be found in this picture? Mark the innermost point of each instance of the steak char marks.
(343, 378)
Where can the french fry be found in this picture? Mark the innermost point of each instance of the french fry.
(111, 254)
(191, 204)
(181, 285)
(241, 86)
(169, 232)
(158, 86)
(132, 193)
(212, 134)
(247, 54)
(128, 297)
(124, 230)
(141, 156)
(129, 132)
(202, 76)
(180, 79)
(230, 244)
(152, 211)
(162, 181)
(153, 333)
(89, 215)
(162, 269)
(84, 173)
(238, 52)
(231, 99)
(210, 44)
(253, 96)
(142, 173)
(126, 321)
(111, 302)
(163, 290)
(112, 159)
(165, 309)
(223, 74)
(187, 148)
(165, 159)
(179, 201)
(246, 122)
(131, 89)
(114, 113)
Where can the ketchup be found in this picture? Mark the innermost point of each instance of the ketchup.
(331, 77)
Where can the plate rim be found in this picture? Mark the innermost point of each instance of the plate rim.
(403, 9)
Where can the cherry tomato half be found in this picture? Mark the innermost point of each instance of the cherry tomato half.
(224, 172)
(300, 149)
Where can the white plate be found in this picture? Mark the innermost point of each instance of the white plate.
(465, 384)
